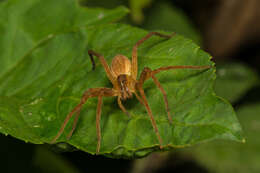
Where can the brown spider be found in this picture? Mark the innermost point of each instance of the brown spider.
(123, 75)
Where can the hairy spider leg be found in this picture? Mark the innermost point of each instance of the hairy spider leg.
(150, 115)
(104, 64)
(181, 67)
(139, 98)
(74, 124)
(98, 118)
(92, 92)
(134, 69)
(148, 73)
(122, 107)
(68, 117)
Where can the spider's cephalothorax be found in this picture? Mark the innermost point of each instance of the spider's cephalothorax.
(123, 75)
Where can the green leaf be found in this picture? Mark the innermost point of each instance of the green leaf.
(164, 16)
(26, 24)
(226, 157)
(234, 80)
(43, 88)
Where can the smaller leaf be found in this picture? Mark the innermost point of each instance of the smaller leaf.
(234, 80)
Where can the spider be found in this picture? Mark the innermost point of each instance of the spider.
(123, 75)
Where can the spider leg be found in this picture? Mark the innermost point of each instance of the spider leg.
(68, 117)
(139, 98)
(157, 83)
(98, 118)
(148, 73)
(122, 107)
(104, 64)
(145, 102)
(74, 124)
(181, 67)
(134, 51)
(92, 92)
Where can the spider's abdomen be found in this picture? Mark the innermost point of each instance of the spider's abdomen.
(121, 65)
